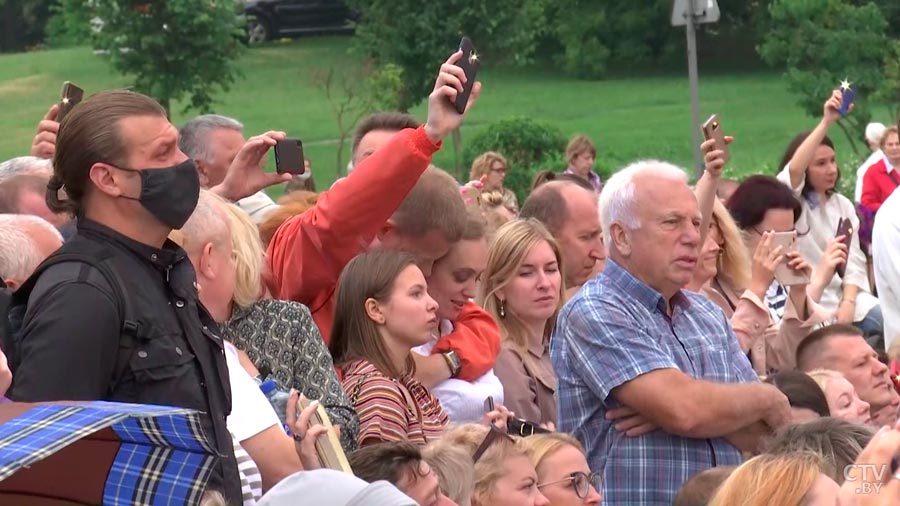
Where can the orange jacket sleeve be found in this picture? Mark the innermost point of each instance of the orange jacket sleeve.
(476, 341)
(309, 251)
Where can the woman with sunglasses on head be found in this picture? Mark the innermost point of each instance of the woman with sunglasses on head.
(523, 290)
(504, 472)
(810, 170)
(563, 473)
(384, 311)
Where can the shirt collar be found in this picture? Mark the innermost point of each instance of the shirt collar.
(163, 258)
(636, 289)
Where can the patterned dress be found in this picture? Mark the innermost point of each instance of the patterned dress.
(392, 409)
(282, 340)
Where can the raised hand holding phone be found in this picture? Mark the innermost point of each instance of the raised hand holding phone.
(712, 131)
(848, 94)
(44, 143)
(443, 117)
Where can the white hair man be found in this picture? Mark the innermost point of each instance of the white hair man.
(23, 188)
(631, 337)
(874, 132)
(216, 143)
(25, 241)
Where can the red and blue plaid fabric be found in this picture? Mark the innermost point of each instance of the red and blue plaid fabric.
(163, 457)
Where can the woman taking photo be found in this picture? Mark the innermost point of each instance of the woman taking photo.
(523, 290)
(383, 311)
(810, 170)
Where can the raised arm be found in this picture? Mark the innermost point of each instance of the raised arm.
(708, 184)
(803, 157)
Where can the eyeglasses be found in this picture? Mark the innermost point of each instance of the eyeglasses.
(581, 482)
(493, 435)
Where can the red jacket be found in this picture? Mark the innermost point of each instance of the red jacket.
(878, 185)
(309, 251)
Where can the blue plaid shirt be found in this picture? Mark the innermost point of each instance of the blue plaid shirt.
(615, 330)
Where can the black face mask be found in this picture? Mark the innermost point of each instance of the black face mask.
(170, 194)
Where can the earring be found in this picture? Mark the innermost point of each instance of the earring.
(502, 309)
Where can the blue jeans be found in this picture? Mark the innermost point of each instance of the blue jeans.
(872, 327)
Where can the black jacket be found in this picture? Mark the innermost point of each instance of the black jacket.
(70, 339)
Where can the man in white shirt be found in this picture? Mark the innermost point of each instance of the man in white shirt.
(874, 131)
(886, 254)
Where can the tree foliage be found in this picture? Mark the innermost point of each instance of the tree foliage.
(22, 23)
(528, 146)
(417, 36)
(820, 43)
(177, 49)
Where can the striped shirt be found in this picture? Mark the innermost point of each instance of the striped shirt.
(251, 480)
(614, 330)
(392, 409)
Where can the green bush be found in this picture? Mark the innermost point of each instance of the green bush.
(528, 145)
(69, 24)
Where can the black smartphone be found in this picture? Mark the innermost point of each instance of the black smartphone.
(488, 404)
(71, 95)
(845, 228)
(470, 63)
(289, 157)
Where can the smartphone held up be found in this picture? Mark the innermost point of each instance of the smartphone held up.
(712, 129)
(469, 63)
(70, 97)
(289, 157)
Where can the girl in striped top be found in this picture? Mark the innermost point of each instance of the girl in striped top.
(383, 311)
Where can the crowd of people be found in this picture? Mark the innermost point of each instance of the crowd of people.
(634, 341)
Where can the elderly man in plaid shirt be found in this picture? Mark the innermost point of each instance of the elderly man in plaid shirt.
(651, 377)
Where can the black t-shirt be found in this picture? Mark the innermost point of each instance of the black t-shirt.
(69, 345)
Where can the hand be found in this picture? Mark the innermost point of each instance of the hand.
(798, 264)
(471, 191)
(499, 418)
(5, 375)
(870, 482)
(630, 422)
(765, 260)
(548, 426)
(304, 435)
(846, 312)
(44, 143)
(832, 109)
(442, 115)
(245, 176)
(779, 412)
(750, 439)
(835, 255)
(714, 158)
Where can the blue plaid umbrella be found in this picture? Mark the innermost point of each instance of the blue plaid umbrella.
(102, 453)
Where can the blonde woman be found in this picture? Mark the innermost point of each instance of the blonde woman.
(493, 167)
(280, 336)
(504, 473)
(522, 288)
(785, 480)
(453, 467)
(563, 473)
(843, 401)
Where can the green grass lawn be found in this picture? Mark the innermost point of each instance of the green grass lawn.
(629, 118)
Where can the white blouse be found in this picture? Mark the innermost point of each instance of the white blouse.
(462, 400)
(822, 221)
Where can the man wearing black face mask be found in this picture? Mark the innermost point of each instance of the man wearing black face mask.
(114, 314)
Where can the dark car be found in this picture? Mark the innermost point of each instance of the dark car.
(271, 19)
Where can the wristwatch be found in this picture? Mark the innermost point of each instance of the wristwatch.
(452, 362)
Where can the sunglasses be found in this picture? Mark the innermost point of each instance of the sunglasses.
(493, 435)
(581, 482)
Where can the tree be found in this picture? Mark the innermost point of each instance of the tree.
(174, 50)
(22, 23)
(417, 36)
(355, 94)
(820, 43)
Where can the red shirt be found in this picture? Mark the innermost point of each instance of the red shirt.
(309, 251)
(878, 184)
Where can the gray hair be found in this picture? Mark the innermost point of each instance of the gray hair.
(208, 223)
(617, 200)
(19, 252)
(193, 140)
(25, 165)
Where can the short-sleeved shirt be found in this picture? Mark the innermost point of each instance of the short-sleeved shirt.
(614, 330)
(392, 409)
